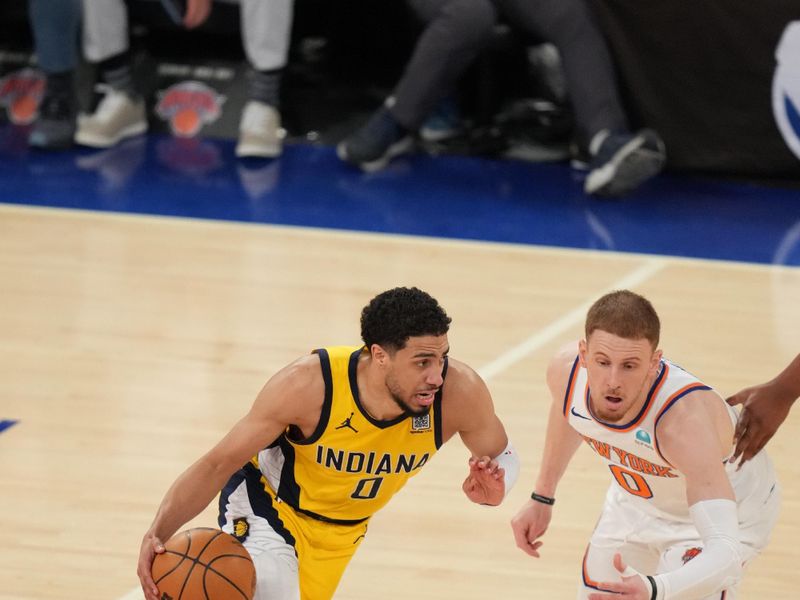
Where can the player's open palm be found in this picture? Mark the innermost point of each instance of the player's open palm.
(485, 483)
(529, 524)
(632, 586)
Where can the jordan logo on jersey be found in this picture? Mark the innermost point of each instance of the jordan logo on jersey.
(346, 424)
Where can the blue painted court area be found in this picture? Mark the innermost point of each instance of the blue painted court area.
(447, 196)
(5, 424)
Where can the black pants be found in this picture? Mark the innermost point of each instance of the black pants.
(457, 30)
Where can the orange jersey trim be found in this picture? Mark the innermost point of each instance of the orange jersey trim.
(588, 581)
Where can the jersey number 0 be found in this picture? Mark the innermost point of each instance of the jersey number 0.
(631, 482)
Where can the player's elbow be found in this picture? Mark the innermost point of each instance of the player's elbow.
(730, 561)
(716, 569)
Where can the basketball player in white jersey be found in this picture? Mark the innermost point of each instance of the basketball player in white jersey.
(680, 521)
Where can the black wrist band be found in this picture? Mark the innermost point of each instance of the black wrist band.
(543, 499)
(654, 593)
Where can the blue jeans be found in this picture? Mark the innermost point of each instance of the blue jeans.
(55, 25)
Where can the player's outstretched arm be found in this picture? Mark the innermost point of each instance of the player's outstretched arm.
(286, 399)
(561, 442)
(764, 408)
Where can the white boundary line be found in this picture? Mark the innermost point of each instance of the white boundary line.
(134, 594)
(557, 327)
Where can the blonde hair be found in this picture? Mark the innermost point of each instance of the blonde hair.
(625, 314)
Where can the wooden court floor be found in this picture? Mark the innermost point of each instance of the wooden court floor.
(128, 345)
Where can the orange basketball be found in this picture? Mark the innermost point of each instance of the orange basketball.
(204, 564)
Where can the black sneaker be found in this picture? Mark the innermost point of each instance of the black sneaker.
(376, 143)
(55, 126)
(622, 162)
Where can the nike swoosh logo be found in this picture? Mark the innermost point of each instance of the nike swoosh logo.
(572, 410)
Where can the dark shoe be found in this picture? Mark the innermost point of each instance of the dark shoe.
(444, 123)
(622, 162)
(55, 126)
(376, 143)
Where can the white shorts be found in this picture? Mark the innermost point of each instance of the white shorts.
(274, 558)
(653, 545)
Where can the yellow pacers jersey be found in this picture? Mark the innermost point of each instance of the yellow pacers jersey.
(352, 464)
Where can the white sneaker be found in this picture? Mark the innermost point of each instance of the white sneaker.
(118, 116)
(260, 131)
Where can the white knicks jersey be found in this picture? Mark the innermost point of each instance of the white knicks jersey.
(631, 451)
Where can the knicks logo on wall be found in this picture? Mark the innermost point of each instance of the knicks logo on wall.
(20, 93)
(189, 105)
(786, 86)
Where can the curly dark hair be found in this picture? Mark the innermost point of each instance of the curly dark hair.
(395, 315)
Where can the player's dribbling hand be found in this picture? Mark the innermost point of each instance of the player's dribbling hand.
(530, 524)
(485, 483)
(151, 546)
(632, 587)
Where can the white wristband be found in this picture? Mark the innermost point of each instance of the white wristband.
(509, 462)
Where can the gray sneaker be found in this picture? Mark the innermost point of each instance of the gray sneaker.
(622, 162)
(378, 141)
(118, 116)
(260, 131)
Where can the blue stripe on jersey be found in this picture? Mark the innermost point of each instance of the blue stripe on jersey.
(260, 501)
(353, 375)
(437, 410)
(644, 408)
(568, 393)
(288, 488)
(325, 413)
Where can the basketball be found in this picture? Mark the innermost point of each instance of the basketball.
(204, 564)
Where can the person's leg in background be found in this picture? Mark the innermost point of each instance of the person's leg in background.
(266, 30)
(55, 26)
(620, 160)
(456, 32)
(122, 112)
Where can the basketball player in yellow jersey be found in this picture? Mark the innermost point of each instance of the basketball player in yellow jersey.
(328, 441)
(680, 521)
